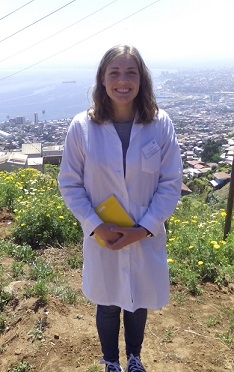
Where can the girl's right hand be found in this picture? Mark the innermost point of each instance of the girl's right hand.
(103, 231)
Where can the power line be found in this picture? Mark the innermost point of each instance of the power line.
(39, 42)
(16, 10)
(81, 41)
(37, 21)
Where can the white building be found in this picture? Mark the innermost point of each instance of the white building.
(5, 134)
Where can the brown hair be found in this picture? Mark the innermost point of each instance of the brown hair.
(145, 101)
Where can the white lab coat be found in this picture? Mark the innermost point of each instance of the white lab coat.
(91, 170)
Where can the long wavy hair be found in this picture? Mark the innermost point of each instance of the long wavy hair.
(145, 101)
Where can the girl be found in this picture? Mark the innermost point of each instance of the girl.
(125, 146)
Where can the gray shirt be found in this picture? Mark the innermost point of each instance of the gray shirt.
(124, 131)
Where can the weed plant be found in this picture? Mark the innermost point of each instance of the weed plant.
(17, 269)
(75, 261)
(22, 366)
(2, 323)
(67, 295)
(23, 253)
(94, 368)
(5, 297)
(40, 269)
(37, 332)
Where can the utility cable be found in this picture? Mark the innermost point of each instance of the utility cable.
(81, 41)
(16, 10)
(37, 21)
(48, 37)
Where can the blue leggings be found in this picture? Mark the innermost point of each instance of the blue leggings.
(108, 326)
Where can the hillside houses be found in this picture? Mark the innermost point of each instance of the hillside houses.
(220, 179)
(32, 155)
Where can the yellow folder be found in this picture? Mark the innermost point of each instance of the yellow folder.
(110, 210)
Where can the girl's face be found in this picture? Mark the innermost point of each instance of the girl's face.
(122, 80)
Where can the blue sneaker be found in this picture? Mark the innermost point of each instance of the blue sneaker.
(112, 366)
(134, 364)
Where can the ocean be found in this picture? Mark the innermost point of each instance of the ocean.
(52, 94)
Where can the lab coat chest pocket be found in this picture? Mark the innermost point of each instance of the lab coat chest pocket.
(150, 157)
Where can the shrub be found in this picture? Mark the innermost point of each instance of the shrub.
(45, 220)
(196, 249)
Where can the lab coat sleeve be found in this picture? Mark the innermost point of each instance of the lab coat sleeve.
(168, 191)
(71, 180)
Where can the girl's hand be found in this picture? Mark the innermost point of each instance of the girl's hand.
(127, 235)
(108, 236)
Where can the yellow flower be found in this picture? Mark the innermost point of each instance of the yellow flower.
(59, 207)
(223, 214)
(200, 262)
(75, 223)
(171, 239)
(216, 246)
(61, 217)
(223, 242)
(191, 246)
(170, 260)
(213, 242)
(48, 215)
(23, 224)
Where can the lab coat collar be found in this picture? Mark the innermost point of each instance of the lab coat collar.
(135, 128)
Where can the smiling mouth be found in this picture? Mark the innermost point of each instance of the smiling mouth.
(122, 90)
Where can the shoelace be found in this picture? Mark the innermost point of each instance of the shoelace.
(134, 364)
(112, 366)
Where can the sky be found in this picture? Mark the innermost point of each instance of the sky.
(166, 32)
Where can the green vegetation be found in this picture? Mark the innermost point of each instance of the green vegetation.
(196, 249)
(41, 217)
(17, 269)
(37, 332)
(212, 151)
(2, 323)
(5, 297)
(67, 294)
(94, 368)
(40, 290)
(75, 261)
(21, 367)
